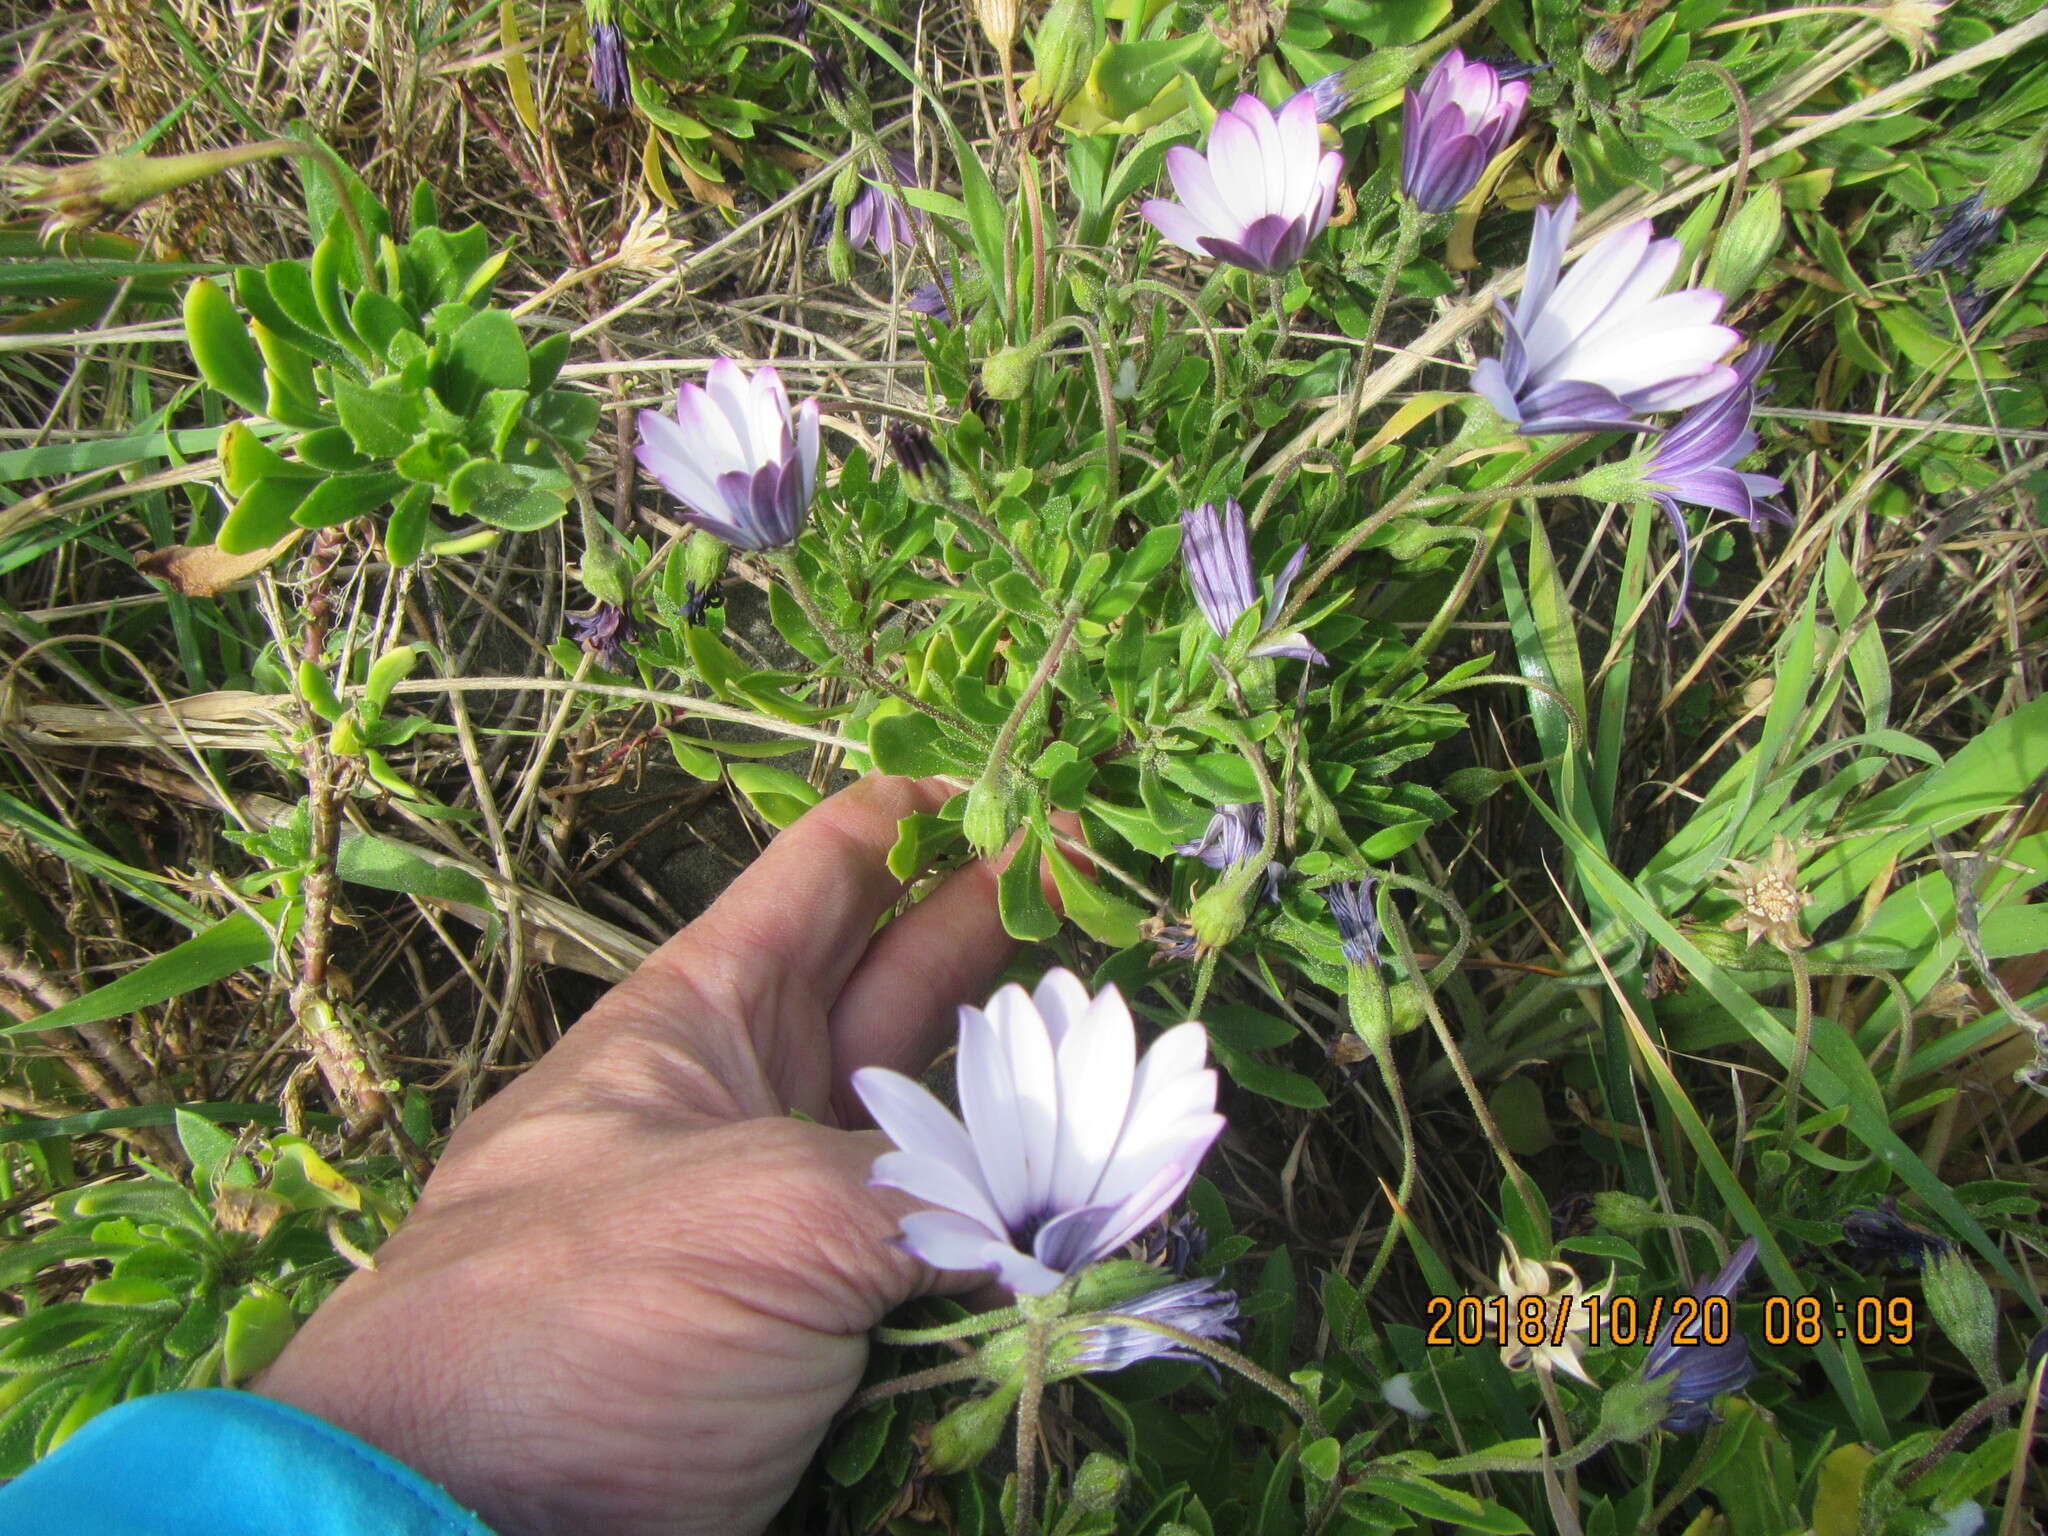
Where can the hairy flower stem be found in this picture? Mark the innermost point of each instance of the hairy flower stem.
(786, 563)
(1483, 1463)
(984, 524)
(1034, 211)
(1037, 1339)
(1802, 1044)
(1553, 1405)
(965, 1328)
(1301, 1407)
(1694, 1474)
(916, 1381)
(999, 754)
(1105, 394)
(1407, 239)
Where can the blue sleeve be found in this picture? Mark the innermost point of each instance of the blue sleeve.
(215, 1463)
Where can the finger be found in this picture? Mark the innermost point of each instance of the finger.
(897, 1010)
(803, 911)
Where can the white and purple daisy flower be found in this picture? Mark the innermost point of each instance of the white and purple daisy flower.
(1261, 194)
(1451, 128)
(1694, 463)
(1071, 1145)
(735, 456)
(1604, 346)
(1217, 552)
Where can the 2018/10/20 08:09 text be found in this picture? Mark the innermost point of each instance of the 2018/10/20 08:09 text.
(1534, 1320)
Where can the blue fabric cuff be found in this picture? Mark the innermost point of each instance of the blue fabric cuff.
(218, 1463)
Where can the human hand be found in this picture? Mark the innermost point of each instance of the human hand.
(634, 1291)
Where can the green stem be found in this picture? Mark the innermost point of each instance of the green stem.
(1694, 1474)
(916, 1381)
(965, 1328)
(999, 754)
(1301, 1407)
(337, 176)
(1407, 240)
(1037, 1334)
(1802, 1044)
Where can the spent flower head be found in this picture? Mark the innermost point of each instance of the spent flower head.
(1970, 227)
(1769, 898)
(1563, 1303)
(1597, 349)
(735, 456)
(1109, 1341)
(1880, 1238)
(1358, 924)
(605, 632)
(1452, 125)
(1262, 193)
(1071, 1146)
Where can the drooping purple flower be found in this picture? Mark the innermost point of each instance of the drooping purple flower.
(1598, 350)
(605, 632)
(1971, 226)
(1508, 67)
(1451, 128)
(1235, 833)
(933, 300)
(1105, 1343)
(1358, 923)
(1176, 1244)
(1880, 1238)
(829, 73)
(911, 446)
(1695, 461)
(878, 215)
(1071, 1145)
(796, 20)
(1329, 95)
(1260, 195)
(1218, 555)
(1702, 1371)
(735, 456)
(610, 79)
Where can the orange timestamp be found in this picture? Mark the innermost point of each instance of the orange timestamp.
(1532, 1321)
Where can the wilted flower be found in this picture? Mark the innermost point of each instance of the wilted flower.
(1217, 552)
(1452, 126)
(1263, 192)
(1972, 305)
(911, 446)
(1358, 925)
(1695, 461)
(829, 73)
(796, 21)
(1565, 1313)
(1071, 1146)
(1701, 1371)
(878, 215)
(697, 602)
(1508, 67)
(1329, 95)
(1597, 350)
(1971, 226)
(1879, 1237)
(735, 456)
(605, 631)
(1911, 22)
(1106, 1343)
(610, 80)
(1235, 833)
(1770, 898)
(1175, 1245)
(931, 299)
(73, 198)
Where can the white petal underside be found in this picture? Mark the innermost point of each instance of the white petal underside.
(988, 1100)
(1176, 224)
(669, 455)
(909, 1116)
(1097, 1066)
(1195, 183)
(939, 1183)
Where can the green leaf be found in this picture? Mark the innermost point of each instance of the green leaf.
(914, 746)
(485, 353)
(206, 1144)
(259, 1327)
(233, 944)
(519, 497)
(222, 347)
(779, 795)
(262, 514)
(381, 421)
(339, 498)
(383, 864)
(1020, 896)
(405, 531)
(921, 840)
(1103, 916)
(306, 1181)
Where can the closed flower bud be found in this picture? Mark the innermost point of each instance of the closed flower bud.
(1062, 52)
(704, 560)
(998, 20)
(76, 197)
(1619, 1211)
(1100, 1484)
(1630, 1410)
(911, 447)
(1473, 786)
(839, 257)
(1962, 1304)
(1007, 375)
(1404, 1006)
(607, 573)
(991, 814)
(967, 1434)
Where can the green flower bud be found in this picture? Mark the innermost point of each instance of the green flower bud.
(704, 560)
(1007, 375)
(2013, 172)
(1635, 1408)
(1472, 786)
(607, 573)
(1100, 1484)
(992, 813)
(1962, 1304)
(846, 185)
(1624, 480)
(1619, 1211)
(967, 1434)
(1404, 1001)
(839, 257)
(1219, 913)
(1062, 51)
(1367, 1001)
